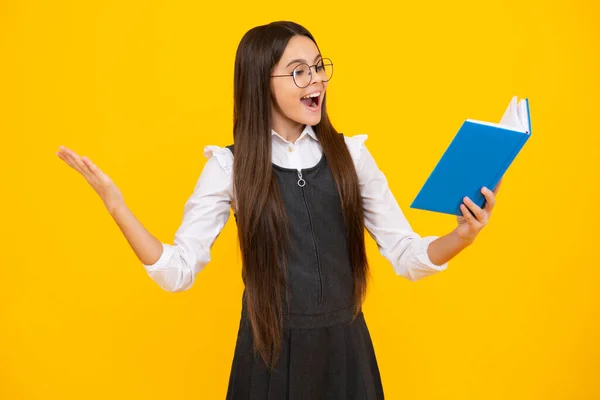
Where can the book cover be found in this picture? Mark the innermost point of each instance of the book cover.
(478, 155)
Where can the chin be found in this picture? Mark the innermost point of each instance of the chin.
(312, 120)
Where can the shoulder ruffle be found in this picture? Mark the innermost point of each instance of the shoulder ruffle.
(355, 144)
(223, 155)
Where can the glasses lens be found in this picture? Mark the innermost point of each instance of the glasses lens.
(325, 69)
(302, 75)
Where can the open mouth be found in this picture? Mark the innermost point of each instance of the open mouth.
(312, 103)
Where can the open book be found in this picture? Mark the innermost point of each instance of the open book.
(515, 117)
(478, 156)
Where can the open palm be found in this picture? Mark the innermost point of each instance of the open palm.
(98, 180)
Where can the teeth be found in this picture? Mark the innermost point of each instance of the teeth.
(317, 94)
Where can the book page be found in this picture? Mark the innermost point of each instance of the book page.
(512, 128)
(523, 115)
(511, 116)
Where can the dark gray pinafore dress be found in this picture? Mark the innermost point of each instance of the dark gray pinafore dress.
(325, 355)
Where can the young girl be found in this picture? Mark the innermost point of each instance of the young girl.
(302, 195)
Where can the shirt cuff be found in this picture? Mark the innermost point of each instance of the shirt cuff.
(420, 265)
(423, 256)
(162, 262)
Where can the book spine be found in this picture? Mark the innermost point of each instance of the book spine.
(528, 114)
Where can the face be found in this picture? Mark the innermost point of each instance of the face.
(288, 109)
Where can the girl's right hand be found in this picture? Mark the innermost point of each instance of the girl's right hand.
(98, 180)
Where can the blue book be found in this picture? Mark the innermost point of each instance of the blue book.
(478, 156)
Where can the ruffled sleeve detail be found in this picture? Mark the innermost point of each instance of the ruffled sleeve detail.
(355, 145)
(223, 155)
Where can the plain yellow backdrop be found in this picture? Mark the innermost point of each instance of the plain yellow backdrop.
(141, 87)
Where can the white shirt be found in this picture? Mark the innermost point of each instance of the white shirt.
(208, 209)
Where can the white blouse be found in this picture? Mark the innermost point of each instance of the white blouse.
(208, 209)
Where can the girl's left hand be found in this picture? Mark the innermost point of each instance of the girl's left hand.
(469, 226)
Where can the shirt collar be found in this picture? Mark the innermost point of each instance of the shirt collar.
(308, 130)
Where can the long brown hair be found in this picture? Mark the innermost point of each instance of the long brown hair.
(261, 215)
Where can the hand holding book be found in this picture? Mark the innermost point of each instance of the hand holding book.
(475, 218)
(477, 157)
(476, 160)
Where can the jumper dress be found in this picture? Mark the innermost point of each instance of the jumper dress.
(325, 355)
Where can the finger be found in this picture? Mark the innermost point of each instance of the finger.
(78, 165)
(95, 173)
(490, 199)
(87, 169)
(479, 213)
(81, 165)
(92, 167)
(76, 158)
(66, 150)
(73, 162)
(66, 157)
(62, 150)
(467, 215)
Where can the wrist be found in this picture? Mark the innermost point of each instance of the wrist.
(116, 208)
(462, 241)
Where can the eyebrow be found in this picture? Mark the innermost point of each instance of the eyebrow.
(301, 60)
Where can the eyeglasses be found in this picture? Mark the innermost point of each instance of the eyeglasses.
(302, 74)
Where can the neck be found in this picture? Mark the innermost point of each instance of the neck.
(289, 130)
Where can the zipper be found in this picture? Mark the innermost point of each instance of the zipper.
(301, 183)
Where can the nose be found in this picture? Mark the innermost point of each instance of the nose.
(316, 77)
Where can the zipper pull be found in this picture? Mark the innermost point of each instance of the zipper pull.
(301, 182)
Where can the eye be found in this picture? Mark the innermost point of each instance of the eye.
(300, 69)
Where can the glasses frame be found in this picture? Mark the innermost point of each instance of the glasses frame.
(310, 68)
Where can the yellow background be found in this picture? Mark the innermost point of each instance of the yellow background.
(141, 87)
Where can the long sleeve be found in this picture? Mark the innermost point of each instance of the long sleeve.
(385, 221)
(205, 214)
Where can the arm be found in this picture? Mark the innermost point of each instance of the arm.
(173, 267)
(412, 256)
(146, 247)
(406, 251)
(443, 249)
(205, 214)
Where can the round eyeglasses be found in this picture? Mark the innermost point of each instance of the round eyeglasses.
(303, 76)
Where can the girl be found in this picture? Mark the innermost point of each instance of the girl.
(302, 195)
